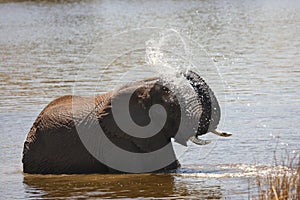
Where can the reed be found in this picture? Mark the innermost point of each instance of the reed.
(281, 184)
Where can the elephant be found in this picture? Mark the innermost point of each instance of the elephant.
(54, 145)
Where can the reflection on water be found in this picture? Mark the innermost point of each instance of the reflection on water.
(255, 44)
(117, 186)
(205, 182)
(113, 186)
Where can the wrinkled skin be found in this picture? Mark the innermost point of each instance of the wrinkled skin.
(53, 145)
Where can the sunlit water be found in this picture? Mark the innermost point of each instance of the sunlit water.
(251, 49)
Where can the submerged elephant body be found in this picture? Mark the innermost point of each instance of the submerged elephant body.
(53, 145)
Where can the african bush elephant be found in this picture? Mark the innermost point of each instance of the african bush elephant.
(54, 145)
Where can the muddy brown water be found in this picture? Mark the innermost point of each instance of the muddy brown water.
(46, 48)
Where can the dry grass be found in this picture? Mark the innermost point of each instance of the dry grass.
(281, 184)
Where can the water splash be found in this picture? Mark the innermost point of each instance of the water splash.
(234, 171)
(167, 54)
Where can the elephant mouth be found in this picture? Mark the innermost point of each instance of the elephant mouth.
(208, 104)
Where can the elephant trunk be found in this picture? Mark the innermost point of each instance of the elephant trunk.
(205, 108)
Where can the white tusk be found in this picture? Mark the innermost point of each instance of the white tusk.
(221, 133)
(198, 141)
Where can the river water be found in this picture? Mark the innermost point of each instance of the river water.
(248, 51)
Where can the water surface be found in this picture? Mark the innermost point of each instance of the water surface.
(46, 48)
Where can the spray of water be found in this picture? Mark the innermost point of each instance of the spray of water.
(168, 56)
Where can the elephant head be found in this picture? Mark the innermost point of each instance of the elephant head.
(139, 97)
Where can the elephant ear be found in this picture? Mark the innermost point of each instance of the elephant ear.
(134, 101)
